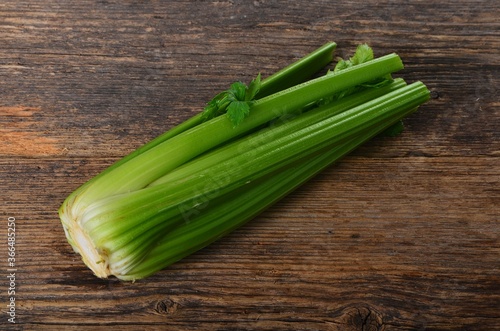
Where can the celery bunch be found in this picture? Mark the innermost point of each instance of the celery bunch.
(250, 146)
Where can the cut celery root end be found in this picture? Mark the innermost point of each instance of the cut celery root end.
(96, 260)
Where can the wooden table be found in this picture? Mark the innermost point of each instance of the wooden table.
(401, 235)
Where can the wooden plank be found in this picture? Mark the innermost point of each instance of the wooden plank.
(401, 235)
(337, 246)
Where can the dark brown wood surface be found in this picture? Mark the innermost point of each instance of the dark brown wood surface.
(401, 235)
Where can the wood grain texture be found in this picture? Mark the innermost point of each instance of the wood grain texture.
(401, 235)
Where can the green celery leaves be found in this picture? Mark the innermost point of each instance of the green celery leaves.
(235, 102)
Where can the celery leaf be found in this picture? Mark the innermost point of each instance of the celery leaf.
(235, 102)
(237, 91)
(363, 54)
(237, 111)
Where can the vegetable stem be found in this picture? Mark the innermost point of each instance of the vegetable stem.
(211, 174)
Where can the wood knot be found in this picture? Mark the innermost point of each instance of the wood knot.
(166, 307)
(360, 318)
(435, 95)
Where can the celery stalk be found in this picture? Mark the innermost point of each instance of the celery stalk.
(199, 181)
